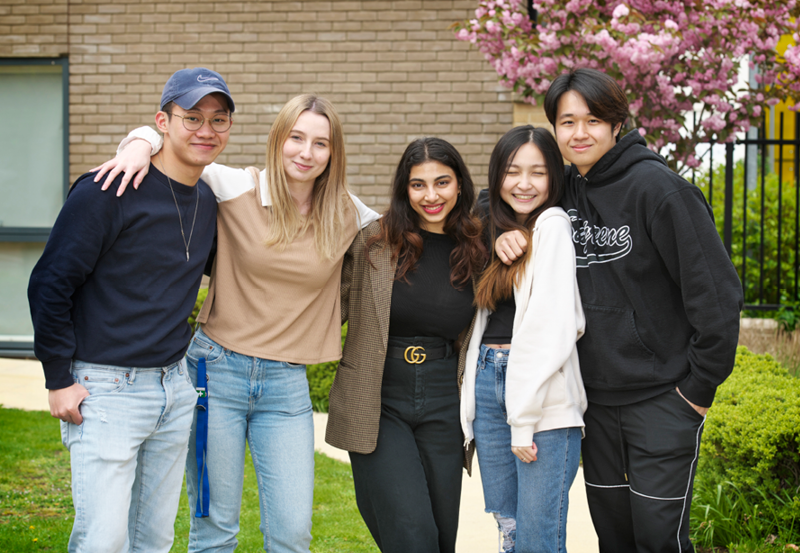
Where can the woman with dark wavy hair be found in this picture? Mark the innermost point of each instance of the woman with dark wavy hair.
(407, 289)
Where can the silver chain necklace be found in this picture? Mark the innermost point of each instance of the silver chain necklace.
(180, 219)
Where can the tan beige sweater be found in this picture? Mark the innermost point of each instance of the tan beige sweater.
(270, 303)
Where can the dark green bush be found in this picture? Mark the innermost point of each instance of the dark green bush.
(751, 442)
(320, 379)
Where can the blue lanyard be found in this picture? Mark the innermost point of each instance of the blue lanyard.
(201, 443)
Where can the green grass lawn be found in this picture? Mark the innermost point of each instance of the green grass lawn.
(36, 504)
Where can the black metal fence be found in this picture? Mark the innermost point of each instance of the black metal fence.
(755, 195)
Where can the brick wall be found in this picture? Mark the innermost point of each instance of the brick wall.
(393, 69)
(526, 114)
(33, 28)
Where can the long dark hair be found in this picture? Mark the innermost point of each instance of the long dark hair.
(400, 224)
(497, 282)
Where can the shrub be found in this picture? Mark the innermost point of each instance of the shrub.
(749, 451)
(772, 285)
(198, 304)
(742, 521)
(320, 379)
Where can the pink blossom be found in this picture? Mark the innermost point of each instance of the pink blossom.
(714, 123)
(792, 55)
(549, 41)
(669, 57)
(691, 161)
(603, 39)
(620, 11)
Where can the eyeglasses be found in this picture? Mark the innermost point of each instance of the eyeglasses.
(193, 122)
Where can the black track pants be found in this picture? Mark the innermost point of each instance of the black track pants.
(639, 464)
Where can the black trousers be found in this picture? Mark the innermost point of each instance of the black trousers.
(408, 490)
(639, 464)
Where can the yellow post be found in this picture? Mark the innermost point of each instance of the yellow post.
(789, 131)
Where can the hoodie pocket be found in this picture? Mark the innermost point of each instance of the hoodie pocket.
(612, 355)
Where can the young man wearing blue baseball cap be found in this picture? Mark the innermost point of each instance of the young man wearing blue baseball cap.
(110, 298)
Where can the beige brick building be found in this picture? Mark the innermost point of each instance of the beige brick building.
(393, 69)
(76, 75)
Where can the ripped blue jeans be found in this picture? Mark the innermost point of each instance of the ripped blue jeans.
(128, 456)
(535, 495)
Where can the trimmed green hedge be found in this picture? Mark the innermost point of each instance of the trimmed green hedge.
(751, 442)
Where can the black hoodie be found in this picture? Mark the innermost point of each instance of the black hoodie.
(661, 296)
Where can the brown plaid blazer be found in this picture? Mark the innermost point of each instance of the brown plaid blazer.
(355, 397)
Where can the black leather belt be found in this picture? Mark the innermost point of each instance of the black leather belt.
(414, 355)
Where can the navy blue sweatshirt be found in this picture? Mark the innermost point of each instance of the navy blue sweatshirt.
(660, 294)
(113, 285)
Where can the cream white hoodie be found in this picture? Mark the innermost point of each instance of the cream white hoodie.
(544, 389)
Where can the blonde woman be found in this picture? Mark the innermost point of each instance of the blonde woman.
(272, 307)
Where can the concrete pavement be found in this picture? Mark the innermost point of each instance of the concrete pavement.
(477, 531)
(22, 387)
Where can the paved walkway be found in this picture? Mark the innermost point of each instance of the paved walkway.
(22, 387)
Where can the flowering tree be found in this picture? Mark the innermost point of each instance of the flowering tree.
(668, 55)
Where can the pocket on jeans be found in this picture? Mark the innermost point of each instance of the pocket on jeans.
(202, 346)
(293, 365)
(101, 381)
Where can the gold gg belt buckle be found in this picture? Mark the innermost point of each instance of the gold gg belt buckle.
(412, 356)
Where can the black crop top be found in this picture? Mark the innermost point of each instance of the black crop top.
(500, 325)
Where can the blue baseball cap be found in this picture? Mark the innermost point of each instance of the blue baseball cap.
(188, 86)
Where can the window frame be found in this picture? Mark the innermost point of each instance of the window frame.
(24, 346)
(39, 234)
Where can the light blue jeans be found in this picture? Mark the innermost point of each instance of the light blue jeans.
(266, 404)
(128, 456)
(535, 494)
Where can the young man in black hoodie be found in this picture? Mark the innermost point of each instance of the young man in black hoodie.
(662, 302)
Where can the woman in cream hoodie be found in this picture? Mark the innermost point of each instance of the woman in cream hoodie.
(522, 397)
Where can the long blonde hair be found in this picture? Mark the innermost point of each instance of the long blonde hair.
(330, 200)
